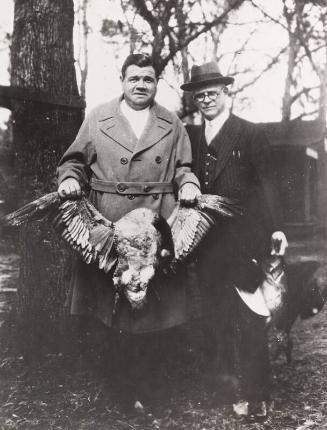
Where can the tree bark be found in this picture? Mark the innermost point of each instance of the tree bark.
(42, 59)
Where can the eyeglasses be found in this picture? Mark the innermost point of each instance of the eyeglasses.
(212, 95)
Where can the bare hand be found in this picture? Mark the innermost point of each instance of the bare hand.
(188, 194)
(70, 188)
(279, 243)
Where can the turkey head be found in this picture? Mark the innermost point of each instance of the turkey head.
(142, 242)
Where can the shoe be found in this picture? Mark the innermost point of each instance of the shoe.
(139, 408)
(257, 411)
(241, 409)
(143, 417)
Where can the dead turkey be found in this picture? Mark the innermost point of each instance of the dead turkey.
(134, 247)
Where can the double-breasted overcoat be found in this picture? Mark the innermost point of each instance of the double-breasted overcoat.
(124, 173)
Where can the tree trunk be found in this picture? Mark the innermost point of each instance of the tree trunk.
(83, 55)
(287, 97)
(42, 60)
(323, 120)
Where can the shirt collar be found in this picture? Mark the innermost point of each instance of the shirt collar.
(130, 112)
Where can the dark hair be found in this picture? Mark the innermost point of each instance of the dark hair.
(141, 60)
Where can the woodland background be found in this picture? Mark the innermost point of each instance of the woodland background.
(54, 56)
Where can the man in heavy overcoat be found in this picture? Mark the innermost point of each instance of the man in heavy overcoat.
(231, 158)
(130, 153)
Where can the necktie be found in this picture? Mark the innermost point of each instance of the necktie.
(208, 132)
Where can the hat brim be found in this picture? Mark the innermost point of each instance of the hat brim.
(190, 86)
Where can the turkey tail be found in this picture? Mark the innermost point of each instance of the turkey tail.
(33, 211)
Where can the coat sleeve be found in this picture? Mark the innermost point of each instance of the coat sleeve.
(76, 160)
(183, 160)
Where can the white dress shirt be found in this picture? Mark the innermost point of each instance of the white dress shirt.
(136, 118)
(213, 127)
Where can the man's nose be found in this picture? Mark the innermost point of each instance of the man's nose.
(141, 84)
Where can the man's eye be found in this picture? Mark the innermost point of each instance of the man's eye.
(148, 80)
(212, 94)
(132, 79)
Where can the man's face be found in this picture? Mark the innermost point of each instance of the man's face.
(210, 100)
(139, 86)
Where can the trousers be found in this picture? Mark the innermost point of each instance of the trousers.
(236, 346)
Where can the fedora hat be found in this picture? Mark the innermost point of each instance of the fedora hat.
(207, 73)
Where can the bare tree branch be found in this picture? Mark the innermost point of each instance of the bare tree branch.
(304, 91)
(274, 61)
(267, 15)
(242, 49)
(160, 28)
(313, 50)
(306, 114)
(146, 14)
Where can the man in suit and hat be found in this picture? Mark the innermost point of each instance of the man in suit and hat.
(231, 158)
(131, 153)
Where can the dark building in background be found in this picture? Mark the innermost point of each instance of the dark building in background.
(299, 164)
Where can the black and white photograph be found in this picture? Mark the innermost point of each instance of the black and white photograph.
(163, 214)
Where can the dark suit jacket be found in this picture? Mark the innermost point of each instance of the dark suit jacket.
(240, 169)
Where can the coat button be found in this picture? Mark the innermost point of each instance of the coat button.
(121, 187)
(123, 160)
(158, 159)
(131, 196)
(146, 188)
(155, 196)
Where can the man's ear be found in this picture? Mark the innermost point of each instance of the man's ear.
(121, 78)
(225, 90)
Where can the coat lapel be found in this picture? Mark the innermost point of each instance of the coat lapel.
(225, 142)
(116, 126)
(159, 124)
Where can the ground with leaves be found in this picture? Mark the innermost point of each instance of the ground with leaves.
(69, 391)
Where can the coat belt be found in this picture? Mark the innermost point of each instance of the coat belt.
(131, 187)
